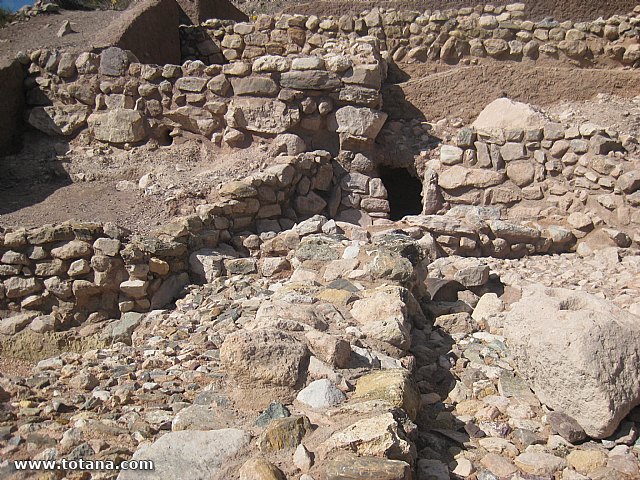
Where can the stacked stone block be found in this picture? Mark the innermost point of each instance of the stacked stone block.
(500, 32)
(124, 102)
(506, 167)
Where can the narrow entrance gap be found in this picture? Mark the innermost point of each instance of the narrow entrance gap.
(404, 192)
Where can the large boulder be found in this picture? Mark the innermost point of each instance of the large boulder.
(503, 113)
(181, 456)
(118, 126)
(268, 357)
(580, 354)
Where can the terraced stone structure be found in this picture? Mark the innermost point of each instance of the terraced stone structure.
(381, 297)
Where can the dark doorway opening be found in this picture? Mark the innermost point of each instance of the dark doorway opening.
(404, 192)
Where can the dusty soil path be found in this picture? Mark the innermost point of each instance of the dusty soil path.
(88, 202)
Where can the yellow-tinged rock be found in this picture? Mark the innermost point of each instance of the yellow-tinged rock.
(336, 297)
(587, 461)
(378, 436)
(393, 386)
(260, 469)
(284, 433)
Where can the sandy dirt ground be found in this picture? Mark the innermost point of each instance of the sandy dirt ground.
(41, 31)
(50, 183)
(440, 91)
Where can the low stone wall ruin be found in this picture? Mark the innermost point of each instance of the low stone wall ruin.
(125, 102)
(72, 269)
(65, 275)
(322, 110)
(455, 35)
(511, 167)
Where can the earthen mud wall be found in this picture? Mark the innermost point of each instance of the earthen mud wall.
(149, 30)
(197, 11)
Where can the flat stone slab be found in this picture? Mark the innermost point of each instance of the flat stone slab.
(188, 455)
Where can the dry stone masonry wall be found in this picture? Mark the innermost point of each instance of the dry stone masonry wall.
(125, 102)
(72, 269)
(507, 167)
(60, 276)
(500, 32)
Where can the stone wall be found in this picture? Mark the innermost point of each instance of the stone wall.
(72, 269)
(125, 102)
(149, 30)
(506, 167)
(452, 35)
(11, 104)
(69, 270)
(66, 275)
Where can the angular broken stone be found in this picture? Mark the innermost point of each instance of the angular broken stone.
(284, 433)
(257, 356)
(565, 342)
(274, 410)
(360, 122)
(378, 436)
(566, 427)
(321, 394)
(352, 467)
(261, 115)
(181, 456)
(114, 62)
(393, 386)
(61, 120)
(118, 126)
